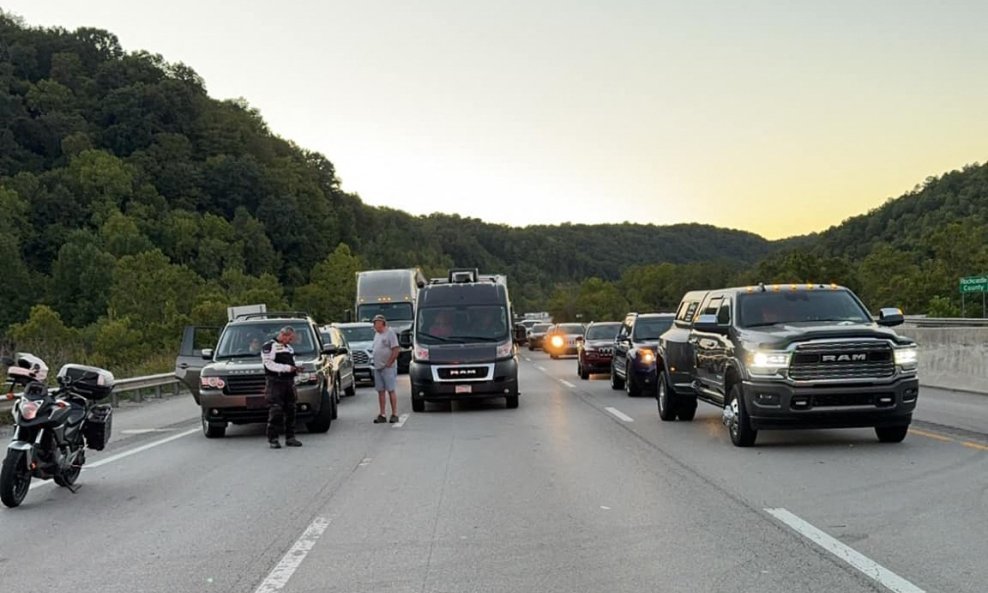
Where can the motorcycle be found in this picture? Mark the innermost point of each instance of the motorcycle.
(53, 427)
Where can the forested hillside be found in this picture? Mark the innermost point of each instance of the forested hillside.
(131, 203)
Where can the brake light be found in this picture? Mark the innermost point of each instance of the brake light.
(29, 409)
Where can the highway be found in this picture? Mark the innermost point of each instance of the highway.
(580, 489)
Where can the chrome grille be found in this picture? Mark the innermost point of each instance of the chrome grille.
(245, 385)
(360, 357)
(828, 361)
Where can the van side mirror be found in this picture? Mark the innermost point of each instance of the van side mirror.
(405, 339)
(890, 316)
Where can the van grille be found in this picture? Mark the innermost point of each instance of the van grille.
(828, 361)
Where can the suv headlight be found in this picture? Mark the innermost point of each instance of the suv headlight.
(907, 357)
(646, 356)
(557, 341)
(305, 378)
(505, 349)
(768, 362)
(211, 383)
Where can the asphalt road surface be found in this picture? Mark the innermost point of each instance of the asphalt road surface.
(580, 489)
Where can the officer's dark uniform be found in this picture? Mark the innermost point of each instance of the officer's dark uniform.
(279, 368)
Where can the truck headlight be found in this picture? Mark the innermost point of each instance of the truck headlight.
(768, 362)
(907, 357)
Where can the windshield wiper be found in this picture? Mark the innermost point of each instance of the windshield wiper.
(477, 339)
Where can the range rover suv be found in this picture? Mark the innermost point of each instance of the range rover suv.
(788, 356)
(228, 381)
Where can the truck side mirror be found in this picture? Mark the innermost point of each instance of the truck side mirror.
(890, 316)
(708, 324)
(405, 339)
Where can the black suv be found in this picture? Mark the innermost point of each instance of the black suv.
(633, 364)
(788, 356)
(228, 382)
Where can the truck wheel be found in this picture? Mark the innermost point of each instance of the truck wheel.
(891, 434)
(686, 408)
(736, 417)
(616, 382)
(667, 401)
(511, 401)
(212, 430)
(324, 419)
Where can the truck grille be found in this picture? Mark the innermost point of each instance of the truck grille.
(820, 361)
(245, 385)
(360, 357)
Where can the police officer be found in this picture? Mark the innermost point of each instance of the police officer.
(279, 368)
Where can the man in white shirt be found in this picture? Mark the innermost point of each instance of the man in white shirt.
(385, 370)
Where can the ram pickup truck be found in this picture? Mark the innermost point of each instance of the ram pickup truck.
(787, 356)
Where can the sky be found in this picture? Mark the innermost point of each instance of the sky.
(779, 117)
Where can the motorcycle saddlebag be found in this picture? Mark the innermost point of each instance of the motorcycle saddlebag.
(97, 427)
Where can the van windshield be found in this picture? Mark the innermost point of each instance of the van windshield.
(462, 324)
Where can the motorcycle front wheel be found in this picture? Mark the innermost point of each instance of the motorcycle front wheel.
(15, 478)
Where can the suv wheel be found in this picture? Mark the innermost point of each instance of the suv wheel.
(616, 382)
(324, 419)
(212, 430)
(582, 373)
(631, 384)
(891, 434)
(736, 417)
(352, 389)
(335, 397)
(668, 404)
(686, 408)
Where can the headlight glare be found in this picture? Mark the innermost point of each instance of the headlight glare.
(907, 357)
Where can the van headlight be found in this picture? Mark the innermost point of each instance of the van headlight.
(505, 349)
(907, 357)
(768, 362)
(421, 353)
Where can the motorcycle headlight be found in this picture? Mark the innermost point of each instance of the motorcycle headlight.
(29, 409)
(907, 357)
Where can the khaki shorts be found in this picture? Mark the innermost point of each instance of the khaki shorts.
(386, 379)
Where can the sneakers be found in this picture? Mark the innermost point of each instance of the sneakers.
(274, 444)
(393, 419)
(380, 420)
(292, 442)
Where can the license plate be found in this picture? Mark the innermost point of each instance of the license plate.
(254, 403)
(464, 389)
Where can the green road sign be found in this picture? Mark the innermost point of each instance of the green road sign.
(974, 284)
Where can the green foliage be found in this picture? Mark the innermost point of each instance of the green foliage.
(332, 288)
(44, 334)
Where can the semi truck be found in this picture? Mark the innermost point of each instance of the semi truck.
(392, 293)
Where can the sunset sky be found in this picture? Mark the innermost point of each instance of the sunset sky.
(779, 117)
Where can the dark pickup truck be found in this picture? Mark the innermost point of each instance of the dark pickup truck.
(788, 356)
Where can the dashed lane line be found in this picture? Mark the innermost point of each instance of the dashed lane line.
(293, 558)
(619, 414)
(567, 383)
(400, 422)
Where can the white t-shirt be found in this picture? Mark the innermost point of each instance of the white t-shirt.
(383, 343)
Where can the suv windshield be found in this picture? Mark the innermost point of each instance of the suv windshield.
(358, 334)
(244, 340)
(571, 328)
(796, 306)
(391, 311)
(651, 329)
(461, 324)
(603, 331)
(540, 328)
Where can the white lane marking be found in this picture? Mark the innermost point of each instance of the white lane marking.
(146, 430)
(140, 449)
(400, 422)
(867, 566)
(293, 558)
(365, 461)
(36, 483)
(541, 368)
(567, 383)
(620, 415)
(527, 359)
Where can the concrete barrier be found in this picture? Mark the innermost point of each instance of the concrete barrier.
(951, 357)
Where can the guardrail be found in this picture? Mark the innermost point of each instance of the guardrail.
(917, 321)
(132, 385)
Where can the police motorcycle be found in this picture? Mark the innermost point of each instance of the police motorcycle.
(53, 427)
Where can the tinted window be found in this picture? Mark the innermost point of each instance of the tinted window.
(391, 311)
(651, 329)
(796, 306)
(603, 331)
(571, 328)
(711, 306)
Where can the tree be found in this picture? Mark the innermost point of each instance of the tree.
(333, 286)
(82, 276)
